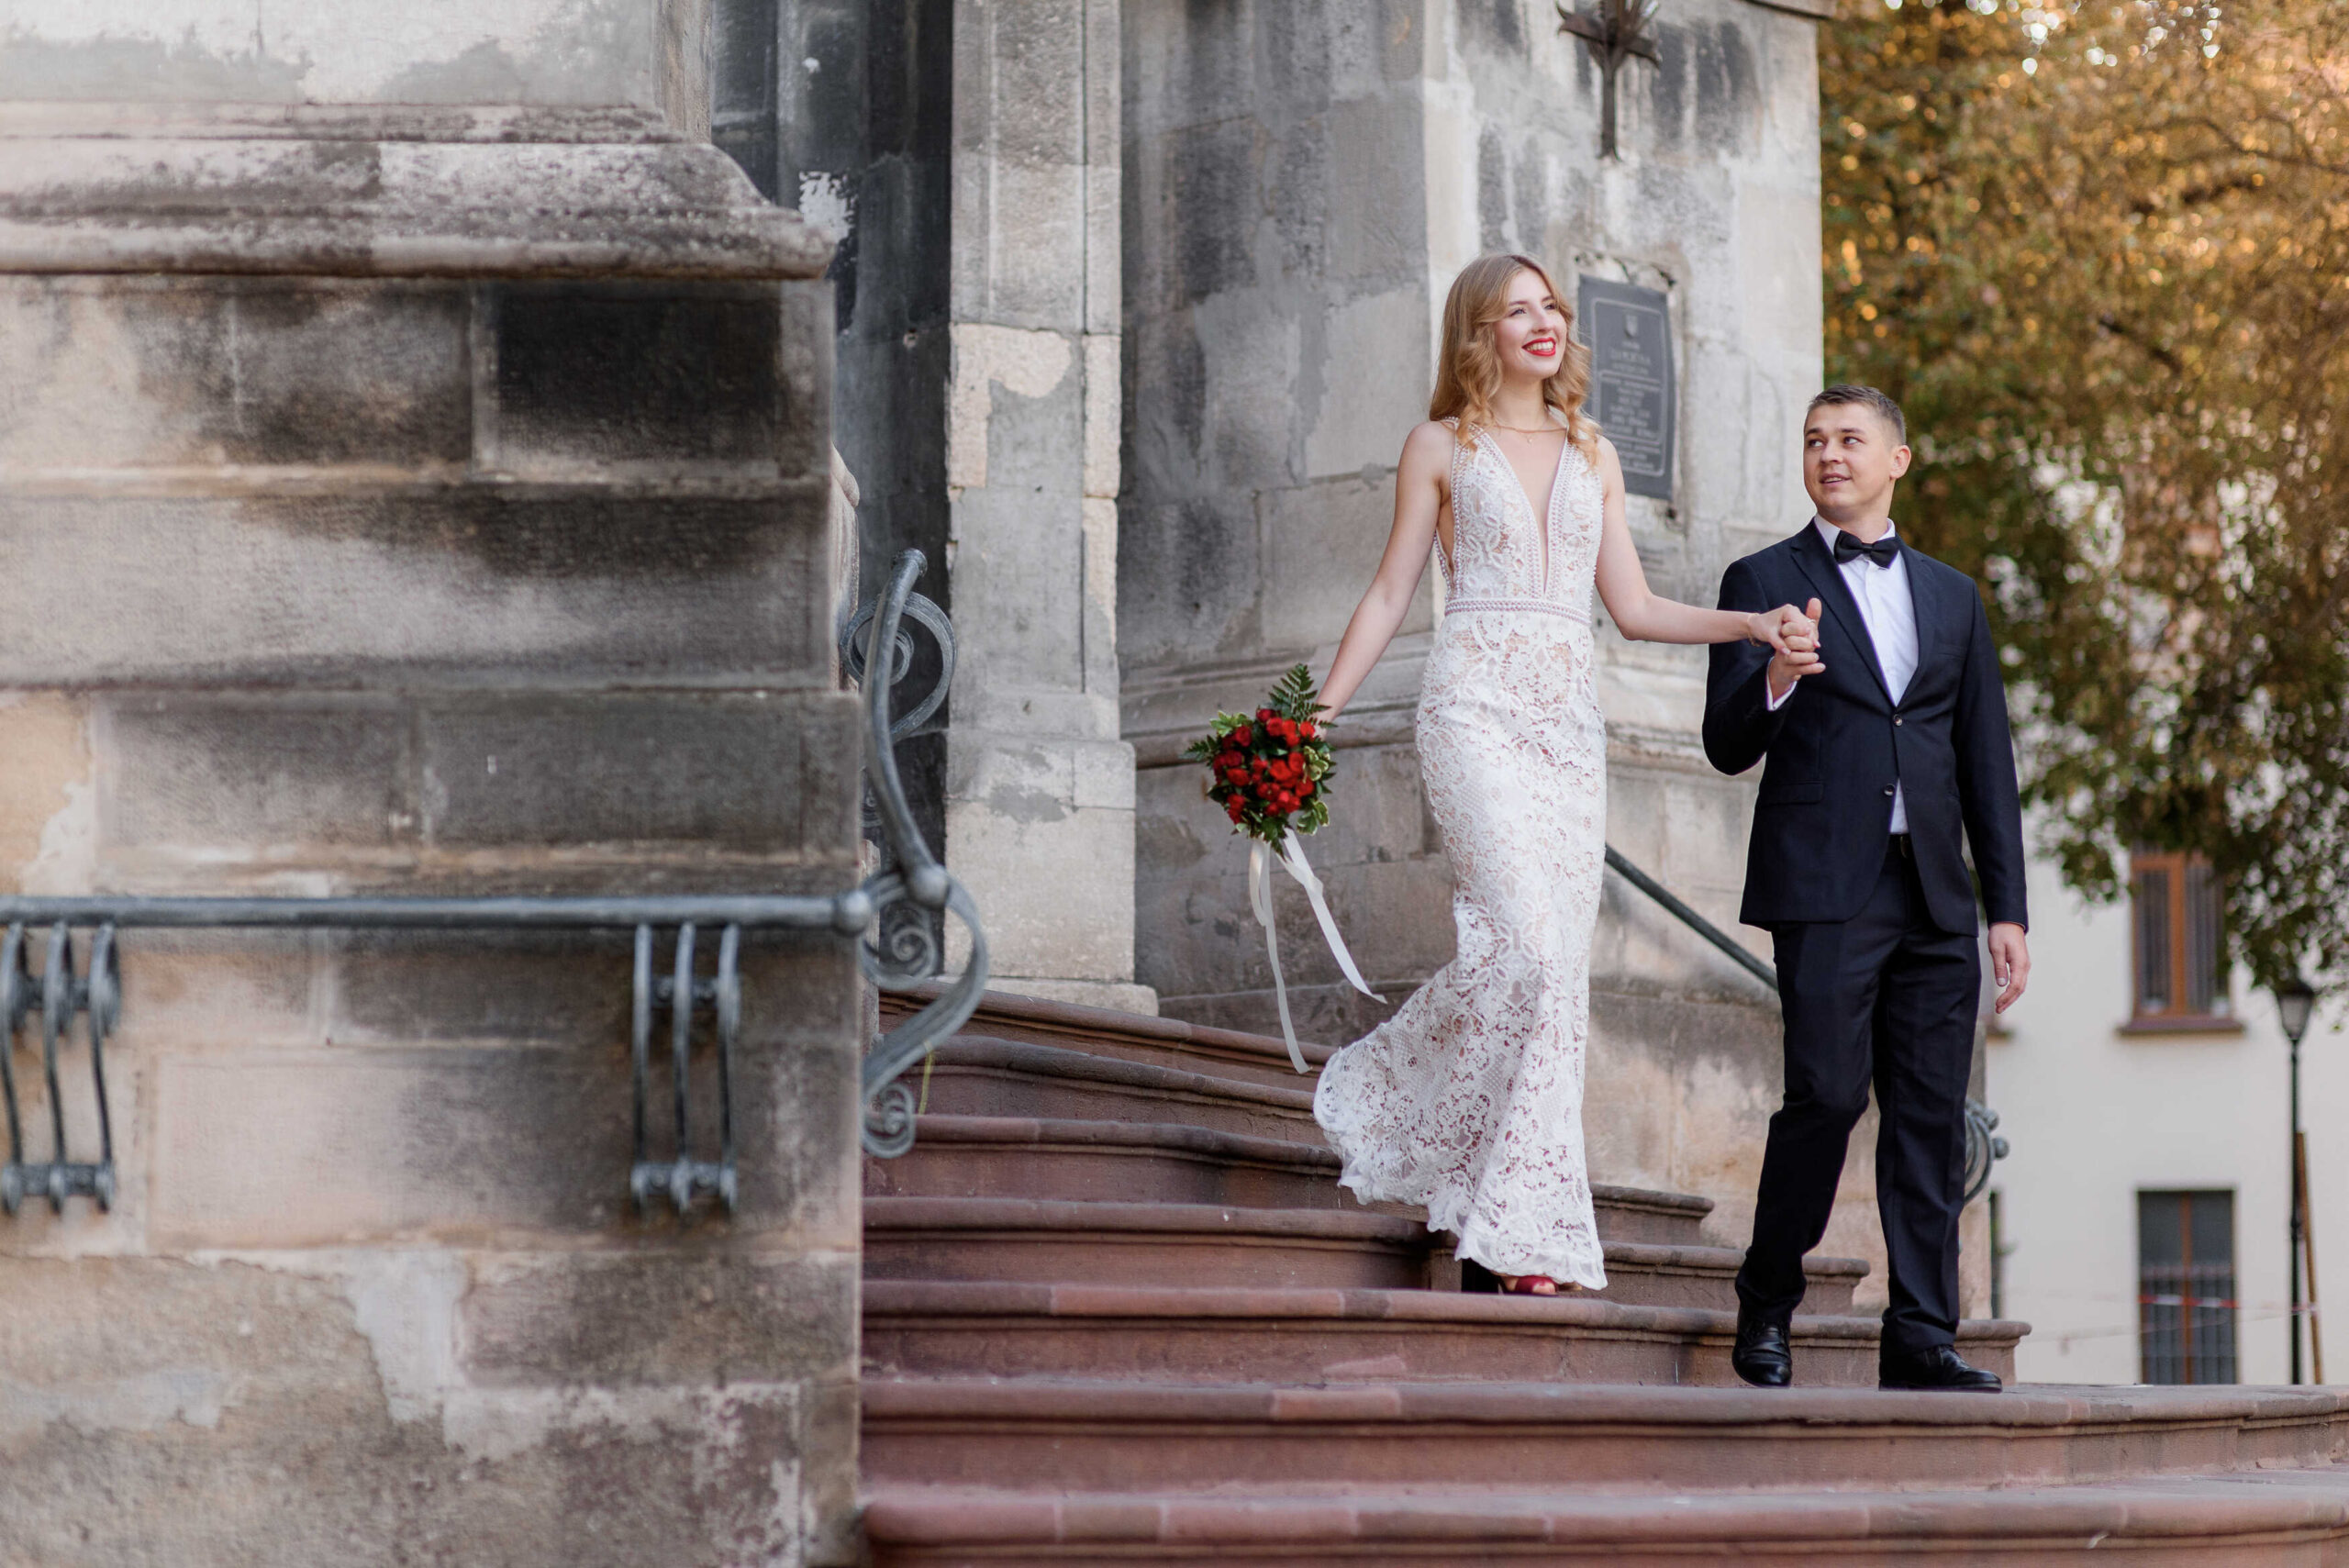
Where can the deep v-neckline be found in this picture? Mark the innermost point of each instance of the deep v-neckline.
(1541, 518)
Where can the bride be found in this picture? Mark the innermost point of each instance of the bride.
(1468, 1100)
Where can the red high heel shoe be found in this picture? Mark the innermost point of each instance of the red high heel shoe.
(1527, 1284)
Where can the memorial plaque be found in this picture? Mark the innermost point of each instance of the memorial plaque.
(1628, 332)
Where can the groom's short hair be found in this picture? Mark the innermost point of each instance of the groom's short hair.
(1849, 392)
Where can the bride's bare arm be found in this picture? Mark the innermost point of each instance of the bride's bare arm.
(1648, 616)
(1419, 477)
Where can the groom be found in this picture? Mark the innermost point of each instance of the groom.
(1883, 744)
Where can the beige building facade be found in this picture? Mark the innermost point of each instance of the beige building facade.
(2108, 1116)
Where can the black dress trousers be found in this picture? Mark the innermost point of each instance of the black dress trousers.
(1885, 998)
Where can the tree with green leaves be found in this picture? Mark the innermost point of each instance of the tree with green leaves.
(2099, 251)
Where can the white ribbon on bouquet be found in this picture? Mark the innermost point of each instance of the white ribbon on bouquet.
(1260, 898)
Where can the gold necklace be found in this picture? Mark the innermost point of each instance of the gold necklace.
(1532, 430)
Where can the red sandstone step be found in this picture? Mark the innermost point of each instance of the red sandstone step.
(1110, 1162)
(1116, 1162)
(975, 1075)
(1001, 1328)
(2273, 1519)
(1129, 1036)
(1140, 1243)
(1080, 1436)
(1193, 1244)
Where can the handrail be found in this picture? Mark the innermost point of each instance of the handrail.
(1690, 918)
(1983, 1146)
(900, 953)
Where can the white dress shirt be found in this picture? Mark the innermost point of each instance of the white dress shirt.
(1890, 614)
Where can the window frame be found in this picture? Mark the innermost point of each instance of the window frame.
(2176, 1330)
(2191, 938)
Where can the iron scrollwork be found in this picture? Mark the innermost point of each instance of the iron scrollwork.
(684, 1178)
(57, 996)
(904, 949)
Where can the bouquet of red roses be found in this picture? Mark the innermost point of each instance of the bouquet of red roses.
(1269, 772)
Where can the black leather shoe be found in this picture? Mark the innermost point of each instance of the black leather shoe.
(1761, 1355)
(1938, 1367)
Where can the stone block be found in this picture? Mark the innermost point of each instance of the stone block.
(1322, 544)
(1055, 896)
(1188, 578)
(803, 438)
(256, 778)
(610, 375)
(232, 989)
(559, 989)
(1018, 593)
(343, 53)
(747, 774)
(46, 822)
(462, 1143)
(136, 1384)
(1375, 146)
(1370, 376)
(577, 584)
(319, 1149)
(159, 372)
(654, 1317)
(552, 989)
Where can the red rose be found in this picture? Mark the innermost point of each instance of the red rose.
(1233, 809)
(1264, 715)
(1305, 790)
(1238, 737)
(1310, 729)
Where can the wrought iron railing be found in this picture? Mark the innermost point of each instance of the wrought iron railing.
(1984, 1146)
(899, 954)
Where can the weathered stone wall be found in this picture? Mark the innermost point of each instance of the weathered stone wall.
(407, 513)
(650, 55)
(1302, 181)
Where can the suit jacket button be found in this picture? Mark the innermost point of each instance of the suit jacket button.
(1888, 789)
(1896, 721)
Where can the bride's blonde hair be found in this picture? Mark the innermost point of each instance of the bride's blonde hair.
(1468, 372)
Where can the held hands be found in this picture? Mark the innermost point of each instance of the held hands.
(1795, 641)
(2009, 963)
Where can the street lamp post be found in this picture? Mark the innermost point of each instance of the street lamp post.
(2294, 999)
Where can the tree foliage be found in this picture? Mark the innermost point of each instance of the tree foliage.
(2100, 253)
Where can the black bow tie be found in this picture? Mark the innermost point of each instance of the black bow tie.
(1884, 551)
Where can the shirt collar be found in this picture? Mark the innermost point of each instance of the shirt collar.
(1829, 532)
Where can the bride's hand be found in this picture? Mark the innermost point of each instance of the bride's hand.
(1783, 630)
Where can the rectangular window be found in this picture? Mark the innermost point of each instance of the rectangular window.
(2175, 907)
(2186, 1286)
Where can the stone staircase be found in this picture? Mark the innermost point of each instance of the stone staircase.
(1116, 1310)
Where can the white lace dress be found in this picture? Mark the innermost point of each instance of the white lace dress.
(1468, 1100)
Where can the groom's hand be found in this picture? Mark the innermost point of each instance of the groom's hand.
(2009, 963)
(1798, 657)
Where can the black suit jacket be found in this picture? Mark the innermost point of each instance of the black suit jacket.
(1840, 743)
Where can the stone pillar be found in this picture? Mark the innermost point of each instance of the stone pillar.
(1039, 787)
(409, 499)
